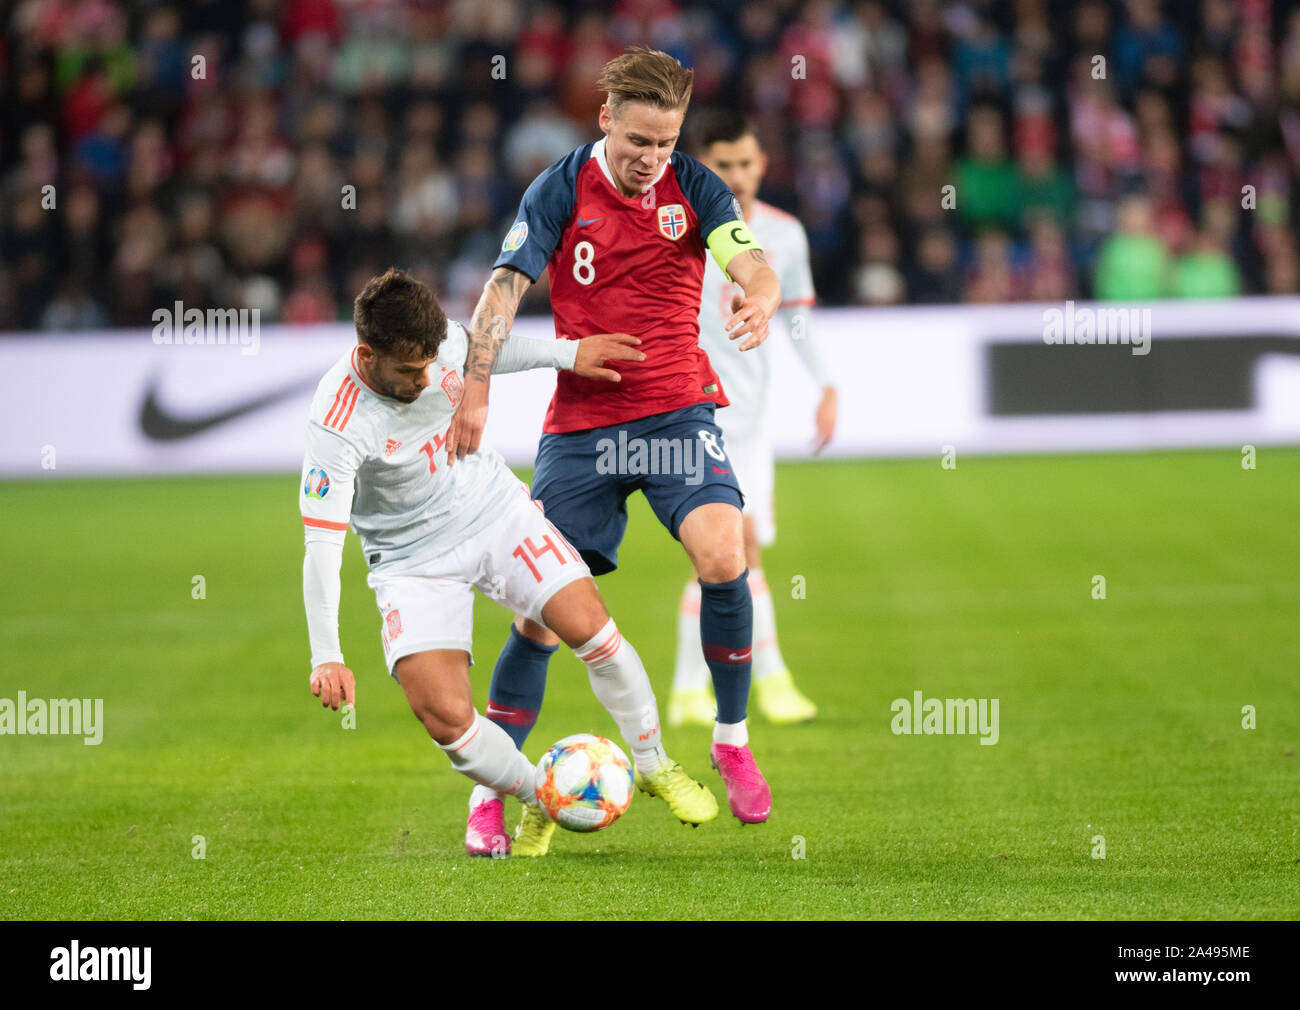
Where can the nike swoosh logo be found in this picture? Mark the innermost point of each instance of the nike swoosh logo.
(716, 470)
(739, 658)
(581, 222)
(160, 425)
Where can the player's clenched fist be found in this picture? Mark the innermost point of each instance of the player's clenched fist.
(595, 350)
(334, 685)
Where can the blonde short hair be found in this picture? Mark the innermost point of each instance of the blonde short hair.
(646, 75)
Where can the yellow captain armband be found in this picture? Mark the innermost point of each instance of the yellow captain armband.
(727, 241)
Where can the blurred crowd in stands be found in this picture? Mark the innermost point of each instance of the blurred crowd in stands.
(273, 154)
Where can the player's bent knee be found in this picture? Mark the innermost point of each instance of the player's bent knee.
(436, 685)
(720, 563)
(714, 539)
(576, 613)
(535, 632)
(445, 724)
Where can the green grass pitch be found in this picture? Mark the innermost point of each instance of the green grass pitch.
(1119, 718)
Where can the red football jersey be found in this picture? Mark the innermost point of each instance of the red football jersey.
(620, 264)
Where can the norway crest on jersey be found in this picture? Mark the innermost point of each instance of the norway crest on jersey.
(672, 221)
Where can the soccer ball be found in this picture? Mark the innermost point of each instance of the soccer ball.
(585, 782)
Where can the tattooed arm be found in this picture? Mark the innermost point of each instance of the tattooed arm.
(752, 313)
(488, 330)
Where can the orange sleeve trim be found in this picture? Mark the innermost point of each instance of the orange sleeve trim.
(324, 524)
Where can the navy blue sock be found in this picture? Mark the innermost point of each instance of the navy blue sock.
(727, 634)
(518, 683)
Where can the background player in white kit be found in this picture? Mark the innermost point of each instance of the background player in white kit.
(726, 143)
(430, 533)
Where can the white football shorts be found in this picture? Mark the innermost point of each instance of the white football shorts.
(750, 452)
(519, 560)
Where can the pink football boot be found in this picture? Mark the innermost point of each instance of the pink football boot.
(748, 793)
(485, 834)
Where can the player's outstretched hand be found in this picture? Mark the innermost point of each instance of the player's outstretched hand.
(595, 350)
(334, 684)
(747, 319)
(467, 424)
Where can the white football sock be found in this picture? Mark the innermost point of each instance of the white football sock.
(486, 754)
(767, 654)
(691, 672)
(736, 734)
(481, 794)
(620, 683)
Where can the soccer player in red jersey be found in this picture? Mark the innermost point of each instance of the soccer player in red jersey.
(623, 227)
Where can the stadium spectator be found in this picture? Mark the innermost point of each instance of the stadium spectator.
(935, 276)
(1133, 263)
(991, 276)
(1206, 270)
(1050, 274)
(986, 177)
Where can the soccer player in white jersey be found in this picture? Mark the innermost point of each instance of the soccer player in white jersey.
(430, 533)
(726, 143)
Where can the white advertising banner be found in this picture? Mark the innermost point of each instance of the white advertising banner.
(982, 379)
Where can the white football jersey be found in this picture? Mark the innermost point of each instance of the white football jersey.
(380, 466)
(744, 375)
